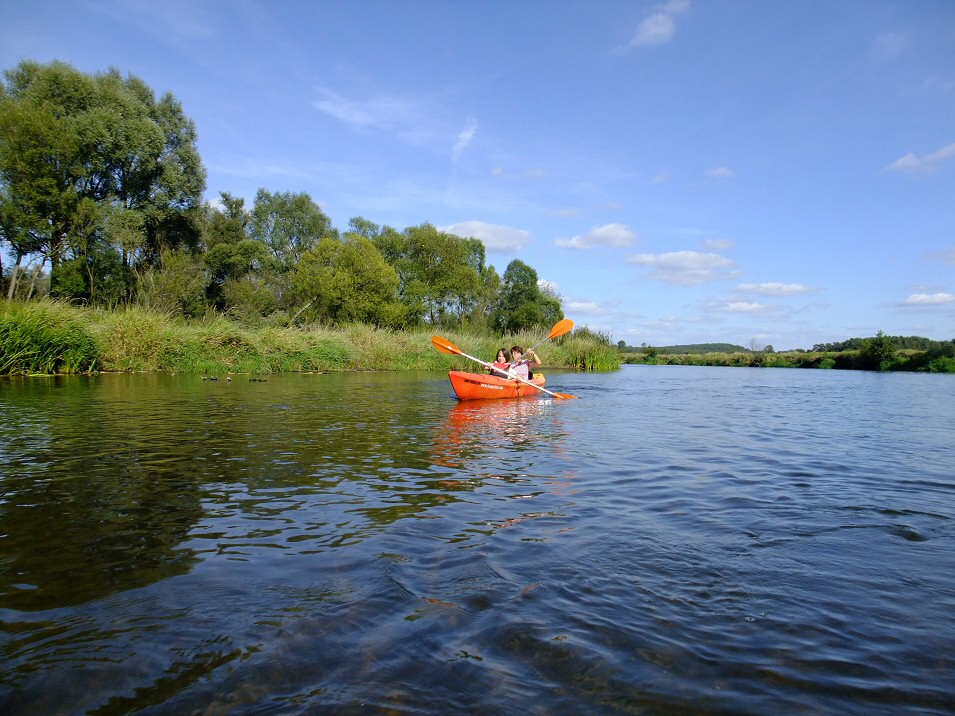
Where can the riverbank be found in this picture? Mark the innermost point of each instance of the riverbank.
(903, 360)
(47, 337)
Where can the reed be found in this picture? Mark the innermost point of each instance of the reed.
(44, 337)
(49, 337)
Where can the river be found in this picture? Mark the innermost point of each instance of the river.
(679, 540)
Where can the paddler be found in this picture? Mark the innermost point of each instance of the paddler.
(520, 366)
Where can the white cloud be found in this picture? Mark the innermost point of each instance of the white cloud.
(660, 27)
(464, 138)
(612, 235)
(548, 286)
(591, 308)
(719, 173)
(687, 267)
(775, 288)
(929, 299)
(926, 164)
(743, 307)
(499, 239)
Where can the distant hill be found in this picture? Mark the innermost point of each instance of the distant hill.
(852, 344)
(693, 349)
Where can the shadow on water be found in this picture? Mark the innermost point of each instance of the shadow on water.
(95, 497)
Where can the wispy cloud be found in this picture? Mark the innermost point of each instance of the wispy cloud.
(888, 46)
(464, 138)
(929, 299)
(926, 164)
(529, 173)
(687, 267)
(716, 244)
(611, 235)
(496, 238)
(660, 27)
(774, 288)
(946, 257)
(381, 111)
(719, 173)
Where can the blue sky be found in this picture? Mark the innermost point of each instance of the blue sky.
(688, 171)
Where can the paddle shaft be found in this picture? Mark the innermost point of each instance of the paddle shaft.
(559, 329)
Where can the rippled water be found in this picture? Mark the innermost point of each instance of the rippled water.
(679, 540)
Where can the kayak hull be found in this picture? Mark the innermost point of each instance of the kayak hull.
(480, 386)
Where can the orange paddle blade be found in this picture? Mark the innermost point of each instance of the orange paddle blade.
(445, 346)
(560, 328)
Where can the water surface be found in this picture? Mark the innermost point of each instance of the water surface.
(679, 540)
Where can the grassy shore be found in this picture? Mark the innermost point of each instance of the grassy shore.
(47, 337)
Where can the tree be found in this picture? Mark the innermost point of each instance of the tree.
(288, 224)
(877, 353)
(94, 163)
(177, 284)
(439, 274)
(346, 281)
(521, 304)
(230, 254)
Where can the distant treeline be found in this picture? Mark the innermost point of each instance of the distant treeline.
(915, 343)
(881, 353)
(692, 349)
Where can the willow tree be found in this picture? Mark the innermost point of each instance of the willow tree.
(439, 274)
(346, 281)
(521, 303)
(96, 171)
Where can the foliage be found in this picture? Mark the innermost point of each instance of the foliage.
(97, 171)
(44, 337)
(439, 274)
(877, 353)
(584, 349)
(176, 286)
(345, 282)
(521, 304)
(289, 225)
(918, 343)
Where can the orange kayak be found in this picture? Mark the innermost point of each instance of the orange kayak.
(477, 386)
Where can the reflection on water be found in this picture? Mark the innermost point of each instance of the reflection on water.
(678, 540)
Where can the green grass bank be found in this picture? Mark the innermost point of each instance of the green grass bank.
(48, 337)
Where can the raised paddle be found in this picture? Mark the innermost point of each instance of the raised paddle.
(446, 346)
(559, 329)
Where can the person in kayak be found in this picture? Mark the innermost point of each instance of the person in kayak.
(501, 363)
(520, 366)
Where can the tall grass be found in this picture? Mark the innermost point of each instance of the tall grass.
(45, 337)
(49, 337)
